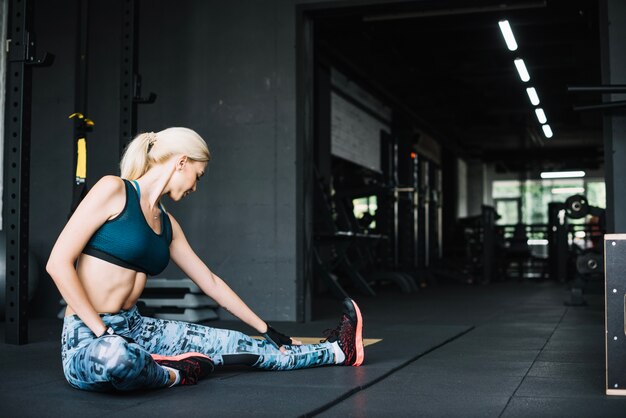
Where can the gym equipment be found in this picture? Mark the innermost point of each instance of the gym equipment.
(331, 246)
(82, 124)
(176, 299)
(589, 263)
(436, 199)
(130, 80)
(586, 266)
(576, 207)
(33, 274)
(558, 246)
(615, 306)
(81, 127)
(488, 218)
(403, 200)
(21, 59)
(362, 250)
(518, 250)
(481, 245)
(519, 257)
(424, 242)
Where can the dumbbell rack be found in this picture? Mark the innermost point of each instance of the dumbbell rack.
(176, 299)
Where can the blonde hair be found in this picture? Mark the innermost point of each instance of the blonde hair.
(149, 149)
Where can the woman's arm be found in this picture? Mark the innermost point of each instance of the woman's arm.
(184, 256)
(102, 202)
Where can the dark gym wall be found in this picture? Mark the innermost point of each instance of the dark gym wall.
(225, 69)
(51, 136)
(52, 171)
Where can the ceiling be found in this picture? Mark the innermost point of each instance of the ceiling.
(447, 63)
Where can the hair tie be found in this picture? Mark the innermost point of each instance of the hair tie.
(151, 136)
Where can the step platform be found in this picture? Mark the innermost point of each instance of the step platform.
(176, 299)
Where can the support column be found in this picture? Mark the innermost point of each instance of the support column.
(476, 185)
(613, 49)
(128, 110)
(16, 173)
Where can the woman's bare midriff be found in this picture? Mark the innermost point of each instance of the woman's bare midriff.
(110, 288)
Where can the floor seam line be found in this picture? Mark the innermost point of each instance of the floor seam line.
(534, 361)
(382, 377)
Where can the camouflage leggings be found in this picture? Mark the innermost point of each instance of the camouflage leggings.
(112, 363)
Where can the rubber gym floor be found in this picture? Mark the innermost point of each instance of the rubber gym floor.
(507, 349)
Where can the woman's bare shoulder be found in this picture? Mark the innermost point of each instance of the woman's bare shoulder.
(108, 186)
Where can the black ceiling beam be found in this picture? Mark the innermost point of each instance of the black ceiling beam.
(617, 88)
(620, 104)
(543, 154)
(613, 88)
(452, 11)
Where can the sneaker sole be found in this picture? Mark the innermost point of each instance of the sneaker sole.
(179, 357)
(360, 354)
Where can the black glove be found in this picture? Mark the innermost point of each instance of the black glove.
(110, 332)
(276, 338)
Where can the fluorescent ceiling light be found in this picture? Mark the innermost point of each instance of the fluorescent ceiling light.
(521, 69)
(507, 33)
(537, 242)
(541, 116)
(568, 190)
(562, 174)
(532, 95)
(547, 131)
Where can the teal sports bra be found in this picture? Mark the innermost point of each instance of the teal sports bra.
(128, 241)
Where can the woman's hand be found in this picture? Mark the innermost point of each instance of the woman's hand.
(279, 340)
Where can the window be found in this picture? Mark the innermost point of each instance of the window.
(365, 210)
(509, 209)
(533, 197)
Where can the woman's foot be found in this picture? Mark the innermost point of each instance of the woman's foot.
(349, 334)
(190, 366)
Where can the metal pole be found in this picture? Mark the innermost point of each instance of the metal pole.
(439, 186)
(81, 123)
(608, 105)
(617, 88)
(80, 99)
(415, 194)
(426, 203)
(488, 227)
(17, 170)
(396, 198)
(128, 113)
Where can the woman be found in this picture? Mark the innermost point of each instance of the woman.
(120, 234)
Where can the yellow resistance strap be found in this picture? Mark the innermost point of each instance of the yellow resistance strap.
(81, 161)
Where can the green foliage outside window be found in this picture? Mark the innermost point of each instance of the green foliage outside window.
(536, 194)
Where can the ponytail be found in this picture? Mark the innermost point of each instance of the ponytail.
(149, 148)
(135, 161)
